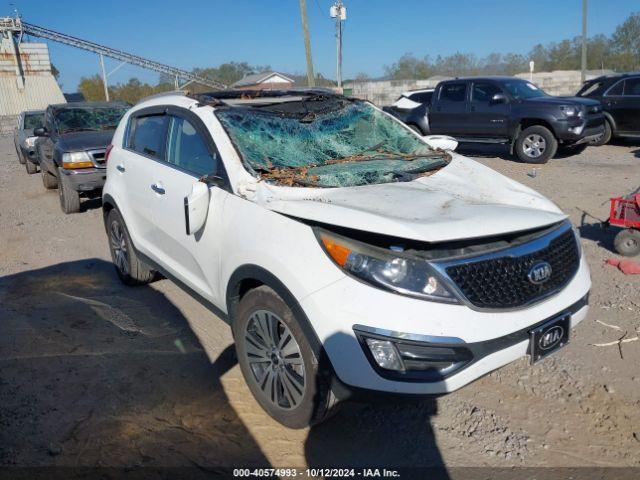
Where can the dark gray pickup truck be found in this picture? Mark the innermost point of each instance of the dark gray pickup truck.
(511, 111)
(72, 145)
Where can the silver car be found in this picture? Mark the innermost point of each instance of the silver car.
(24, 139)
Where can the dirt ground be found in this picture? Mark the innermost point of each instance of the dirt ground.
(93, 373)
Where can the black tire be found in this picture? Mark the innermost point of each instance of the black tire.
(286, 401)
(69, 197)
(606, 137)
(530, 150)
(130, 269)
(49, 180)
(627, 242)
(31, 167)
(21, 158)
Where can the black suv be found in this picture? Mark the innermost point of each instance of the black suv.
(71, 149)
(512, 111)
(620, 98)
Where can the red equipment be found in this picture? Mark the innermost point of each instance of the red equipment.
(625, 213)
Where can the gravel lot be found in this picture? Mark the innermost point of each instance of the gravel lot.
(95, 373)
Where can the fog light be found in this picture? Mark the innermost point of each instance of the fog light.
(385, 354)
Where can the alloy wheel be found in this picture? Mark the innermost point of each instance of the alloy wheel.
(534, 145)
(119, 247)
(275, 359)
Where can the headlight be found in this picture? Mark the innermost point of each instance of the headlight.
(387, 269)
(30, 141)
(570, 111)
(76, 160)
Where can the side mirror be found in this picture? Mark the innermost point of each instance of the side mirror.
(196, 207)
(41, 132)
(499, 98)
(441, 142)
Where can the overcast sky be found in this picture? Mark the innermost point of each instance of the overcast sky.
(268, 32)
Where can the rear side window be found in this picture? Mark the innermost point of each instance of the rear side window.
(484, 92)
(188, 150)
(590, 88)
(616, 89)
(148, 135)
(632, 87)
(453, 92)
(421, 97)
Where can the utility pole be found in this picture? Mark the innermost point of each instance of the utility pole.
(307, 43)
(583, 76)
(104, 78)
(339, 12)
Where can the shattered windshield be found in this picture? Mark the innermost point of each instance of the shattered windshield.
(88, 119)
(341, 144)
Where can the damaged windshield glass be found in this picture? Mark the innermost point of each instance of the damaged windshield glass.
(348, 143)
(88, 119)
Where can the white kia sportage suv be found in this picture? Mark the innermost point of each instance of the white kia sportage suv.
(346, 252)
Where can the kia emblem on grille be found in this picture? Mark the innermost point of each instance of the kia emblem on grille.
(539, 273)
(551, 338)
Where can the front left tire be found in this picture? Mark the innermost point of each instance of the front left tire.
(130, 268)
(536, 144)
(69, 197)
(277, 361)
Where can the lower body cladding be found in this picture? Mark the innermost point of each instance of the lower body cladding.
(427, 348)
(576, 132)
(86, 179)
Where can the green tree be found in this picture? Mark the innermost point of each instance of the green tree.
(409, 67)
(92, 88)
(625, 44)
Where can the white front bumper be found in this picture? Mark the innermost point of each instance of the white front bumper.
(335, 309)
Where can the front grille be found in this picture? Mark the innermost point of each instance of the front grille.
(98, 157)
(503, 281)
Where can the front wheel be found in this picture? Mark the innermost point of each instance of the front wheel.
(49, 180)
(69, 197)
(536, 144)
(130, 268)
(627, 242)
(30, 167)
(606, 136)
(21, 158)
(277, 361)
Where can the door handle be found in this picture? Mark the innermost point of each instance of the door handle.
(120, 167)
(157, 188)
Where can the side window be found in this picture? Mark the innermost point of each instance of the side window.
(187, 149)
(422, 97)
(632, 87)
(453, 92)
(148, 135)
(616, 89)
(484, 92)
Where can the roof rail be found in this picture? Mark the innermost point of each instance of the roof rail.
(163, 94)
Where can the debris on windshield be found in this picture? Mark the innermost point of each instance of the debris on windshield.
(326, 141)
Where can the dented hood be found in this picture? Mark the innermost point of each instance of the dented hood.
(463, 200)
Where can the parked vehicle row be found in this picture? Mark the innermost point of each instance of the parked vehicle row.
(620, 97)
(68, 143)
(507, 110)
(347, 254)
